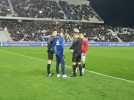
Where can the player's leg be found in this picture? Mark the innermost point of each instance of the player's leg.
(80, 68)
(57, 66)
(49, 64)
(48, 67)
(74, 65)
(83, 59)
(77, 67)
(63, 67)
(74, 68)
(79, 63)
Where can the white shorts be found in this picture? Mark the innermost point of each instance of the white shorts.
(83, 58)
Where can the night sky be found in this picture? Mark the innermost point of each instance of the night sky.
(115, 12)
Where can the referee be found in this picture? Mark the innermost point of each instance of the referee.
(76, 56)
(50, 51)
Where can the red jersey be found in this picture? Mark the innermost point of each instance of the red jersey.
(84, 47)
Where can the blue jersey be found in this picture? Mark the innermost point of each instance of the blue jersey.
(59, 48)
(51, 43)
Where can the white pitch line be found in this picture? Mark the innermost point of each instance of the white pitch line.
(109, 76)
(97, 73)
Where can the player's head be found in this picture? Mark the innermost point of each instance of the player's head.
(54, 33)
(76, 36)
(85, 35)
(61, 34)
(81, 36)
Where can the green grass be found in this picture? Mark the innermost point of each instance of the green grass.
(23, 75)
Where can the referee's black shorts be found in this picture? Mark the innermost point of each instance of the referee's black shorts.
(76, 57)
(50, 55)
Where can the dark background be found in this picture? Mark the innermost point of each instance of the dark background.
(115, 12)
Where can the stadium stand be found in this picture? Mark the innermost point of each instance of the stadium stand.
(39, 31)
(56, 9)
(5, 8)
(37, 9)
(34, 29)
(79, 12)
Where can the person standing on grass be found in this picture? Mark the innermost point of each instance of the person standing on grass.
(84, 50)
(59, 51)
(50, 51)
(76, 54)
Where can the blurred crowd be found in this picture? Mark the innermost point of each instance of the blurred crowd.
(57, 9)
(40, 31)
(37, 9)
(78, 12)
(4, 8)
(47, 9)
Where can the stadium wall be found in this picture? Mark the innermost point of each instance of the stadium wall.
(41, 44)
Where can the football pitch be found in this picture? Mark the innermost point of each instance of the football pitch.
(109, 75)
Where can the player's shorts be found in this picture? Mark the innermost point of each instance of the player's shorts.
(59, 59)
(50, 55)
(76, 57)
(83, 58)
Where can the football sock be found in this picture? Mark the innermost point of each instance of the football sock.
(83, 66)
(74, 70)
(48, 68)
(80, 69)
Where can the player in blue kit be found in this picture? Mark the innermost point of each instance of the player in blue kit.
(59, 52)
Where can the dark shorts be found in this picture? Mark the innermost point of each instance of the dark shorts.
(76, 57)
(50, 55)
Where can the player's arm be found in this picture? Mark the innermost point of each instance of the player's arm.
(86, 46)
(72, 46)
(49, 44)
(63, 43)
(54, 45)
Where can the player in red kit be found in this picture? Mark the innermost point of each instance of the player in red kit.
(84, 50)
